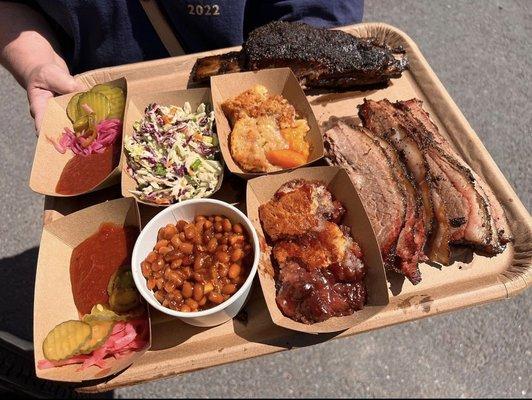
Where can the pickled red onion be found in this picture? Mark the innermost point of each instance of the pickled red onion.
(107, 132)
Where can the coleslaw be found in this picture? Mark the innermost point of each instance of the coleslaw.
(173, 154)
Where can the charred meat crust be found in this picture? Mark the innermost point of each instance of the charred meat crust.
(318, 57)
(206, 67)
(444, 173)
(412, 238)
(379, 118)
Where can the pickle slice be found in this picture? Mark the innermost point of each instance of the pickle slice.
(72, 107)
(116, 98)
(121, 279)
(65, 340)
(102, 313)
(101, 330)
(97, 102)
(123, 300)
(81, 123)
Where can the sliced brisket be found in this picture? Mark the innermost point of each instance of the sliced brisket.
(392, 209)
(411, 241)
(486, 224)
(498, 219)
(382, 118)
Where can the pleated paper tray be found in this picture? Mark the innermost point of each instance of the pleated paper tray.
(178, 348)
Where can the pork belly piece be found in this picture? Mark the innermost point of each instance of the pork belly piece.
(311, 296)
(498, 218)
(318, 57)
(382, 184)
(297, 207)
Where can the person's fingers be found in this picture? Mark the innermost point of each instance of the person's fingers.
(47, 80)
(57, 80)
(38, 98)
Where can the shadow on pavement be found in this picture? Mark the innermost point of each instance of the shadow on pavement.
(17, 274)
(17, 374)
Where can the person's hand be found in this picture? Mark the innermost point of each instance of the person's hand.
(43, 82)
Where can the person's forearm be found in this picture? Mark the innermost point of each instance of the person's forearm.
(26, 41)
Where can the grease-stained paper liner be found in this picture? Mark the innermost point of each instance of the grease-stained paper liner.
(277, 81)
(135, 111)
(261, 190)
(48, 163)
(53, 301)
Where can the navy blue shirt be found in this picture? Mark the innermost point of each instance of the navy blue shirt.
(95, 34)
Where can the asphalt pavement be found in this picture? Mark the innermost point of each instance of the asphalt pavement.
(481, 52)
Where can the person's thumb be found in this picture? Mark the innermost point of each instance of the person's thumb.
(48, 80)
(59, 81)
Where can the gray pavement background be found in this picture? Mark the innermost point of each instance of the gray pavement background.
(481, 52)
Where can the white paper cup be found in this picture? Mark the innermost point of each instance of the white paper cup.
(187, 210)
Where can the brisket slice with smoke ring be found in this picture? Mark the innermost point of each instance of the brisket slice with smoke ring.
(412, 239)
(499, 222)
(380, 118)
(381, 185)
(480, 231)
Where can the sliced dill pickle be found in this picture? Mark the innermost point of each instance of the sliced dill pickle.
(72, 107)
(121, 279)
(100, 312)
(98, 103)
(65, 340)
(116, 98)
(81, 124)
(123, 300)
(101, 330)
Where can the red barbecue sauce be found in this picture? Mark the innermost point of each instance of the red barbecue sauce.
(83, 173)
(95, 260)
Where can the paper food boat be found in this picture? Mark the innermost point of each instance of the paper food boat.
(277, 81)
(48, 163)
(261, 190)
(54, 302)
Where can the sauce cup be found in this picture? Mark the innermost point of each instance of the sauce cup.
(187, 210)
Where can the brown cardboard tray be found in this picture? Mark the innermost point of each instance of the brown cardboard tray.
(178, 348)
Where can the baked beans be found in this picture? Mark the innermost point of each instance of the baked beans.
(198, 264)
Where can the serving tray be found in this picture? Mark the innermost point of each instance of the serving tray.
(178, 348)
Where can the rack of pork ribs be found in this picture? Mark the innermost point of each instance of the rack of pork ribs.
(422, 198)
